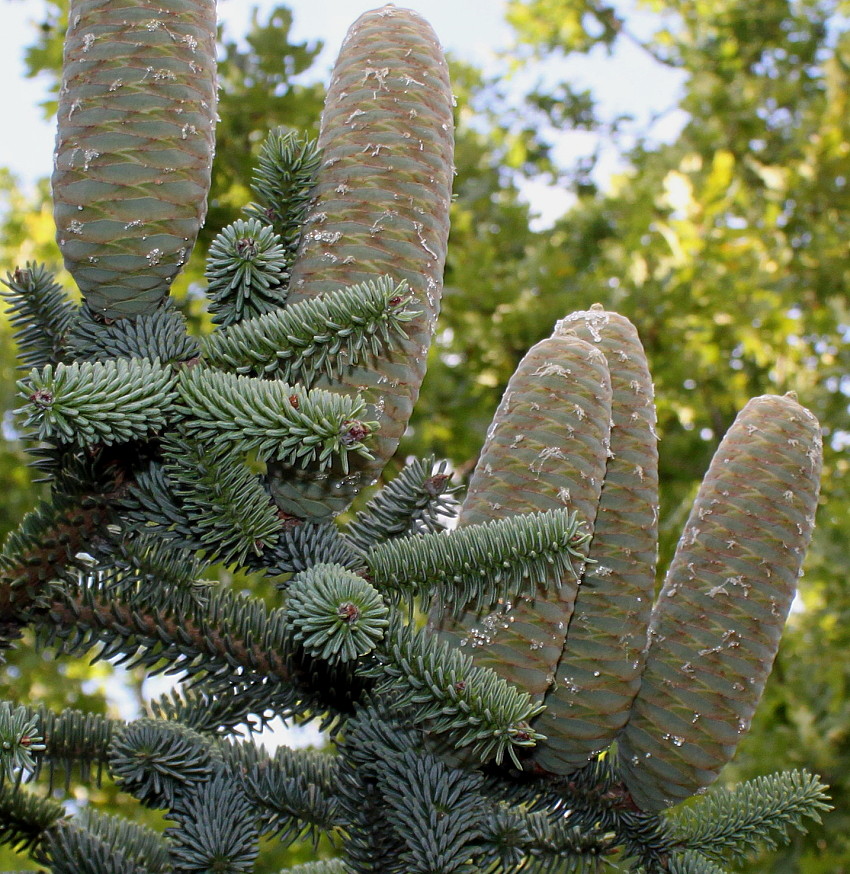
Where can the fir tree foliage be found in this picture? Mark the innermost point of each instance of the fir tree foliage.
(245, 272)
(75, 743)
(467, 707)
(419, 500)
(482, 564)
(98, 403)
(282, 184)
(758, 813)
(165, 454)
(275, 420)
(332, 866)
(95, 842)
(216, 831)
(337, 615)
(294, 791)
(231, 512)
(134, 566)
(25, 817)
(160, 334)
(314, 337)
(159, 761)
(39, 313)
(151, 506)
(19, 740)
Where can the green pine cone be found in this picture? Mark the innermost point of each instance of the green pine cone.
(134, 146)
(716, 626)
(546, 449)
(380, 206)
(599, 672)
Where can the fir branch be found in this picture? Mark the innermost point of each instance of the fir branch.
(560, 846)
(230, 513)
(159, 761)
(336, 615)
(246, 272)
(70, 848)
(303, 545)
(594, 801)
(598, 804)
(31, 738)
(219, 713)
(471, 707)
(73, 738)
(329, 866)
(78, 621)
(757, 813)
(19, 741)
(25, 817)
(292, 792)
(136, 843)
(216, 831)
(152, 507)
(231, 635)
(476, 566)
(371, 845)
(104, 402)
(134, 566)
(505, 838)
(39, 313)
(275, 420)
(412, 503)
(594, 788)
(379, 729)
(46, 547)
(413, 787)
(315, 337)
(235, 647)
(691, 862)
(377, 733)
(287, 171)
(160, 334)
(385, 756)
(516, 839)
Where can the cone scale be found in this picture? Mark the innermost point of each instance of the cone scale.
(380, 207)
(134, 146)
(715, 629)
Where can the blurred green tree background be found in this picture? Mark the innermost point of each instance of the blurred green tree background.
(727, 244)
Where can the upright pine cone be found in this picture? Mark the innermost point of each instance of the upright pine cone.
(598, 674)
(381, 206)
(134, 146)
(546, 449)
(715, 628)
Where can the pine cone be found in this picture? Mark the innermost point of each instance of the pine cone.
(134, 146)
(599, 671)
(381, 206)
(546, 449)
(716, 626)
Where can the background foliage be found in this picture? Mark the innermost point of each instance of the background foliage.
(727, 247)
